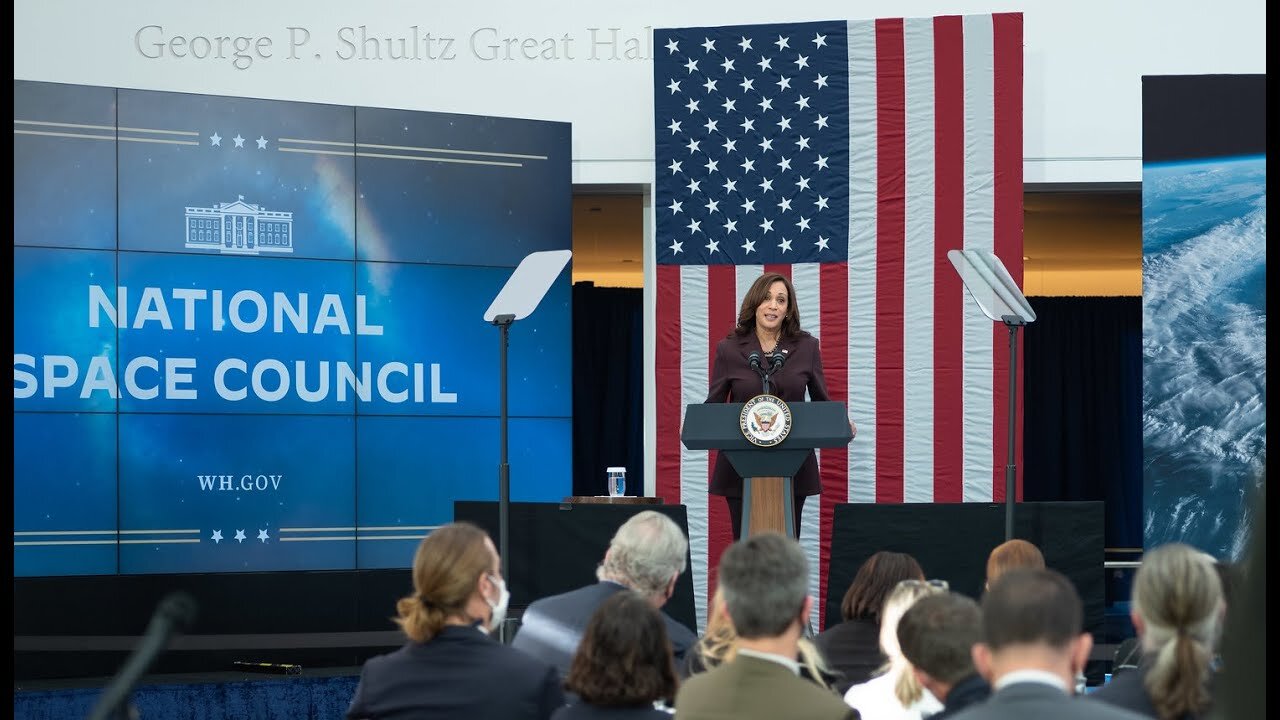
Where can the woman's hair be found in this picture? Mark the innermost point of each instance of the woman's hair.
(1011, 555)
(864, 600)
(1178, 595)
(446, 568)
(719, 644)
(905, 594)
(757, 294)
(625, 657)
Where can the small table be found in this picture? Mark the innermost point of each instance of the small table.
(610, 500)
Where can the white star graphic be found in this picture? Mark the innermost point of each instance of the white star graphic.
(821, 203)
(672, 46)
(692, 105)
(802, 61)
(710, 85)
(821, 81)
(676, 207)
(676, 247)
(803, 224)
(674, 127)
(785, 245)
(695, 226)
(766, 226)
(691, 65)
(749, 246)
(713, 246)
(712, 166)
(782, 43)
(731, 227)
(766, 144)
(675, 167)
(766, 185)
(784, 205)
(674, 86)
(784, 124)
(802, 103)
(745, 44)
(727, 65)
(765, 104)
(708, 44)
(747, 84)
(730, 186)
(822, 242)
(748, 206)
(217, 537)
(713, 206)
(238, 140)
(784, 82)
(694, 186)
(730, 145)
(262, 142)
(215, 140)
(803, 143)
(262, 535)
(819, 40)
(821, 122)
(821, 162)
(803, 183)
(748, 125)
(765, 63)
(729, 105)
(694, 145)
(239, 536)
(711, 126)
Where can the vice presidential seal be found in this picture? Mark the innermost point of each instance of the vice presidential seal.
(765, 420)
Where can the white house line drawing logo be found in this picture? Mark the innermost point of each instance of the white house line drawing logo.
(239, 228)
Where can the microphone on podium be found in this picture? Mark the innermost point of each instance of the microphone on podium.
(174, 614)
(754, 360)
(776, 363)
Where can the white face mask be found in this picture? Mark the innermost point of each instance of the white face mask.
(499, 608)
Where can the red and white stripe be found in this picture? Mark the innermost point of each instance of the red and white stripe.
(935, 146)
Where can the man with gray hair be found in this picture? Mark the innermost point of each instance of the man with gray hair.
(765, 583)
(647, 554)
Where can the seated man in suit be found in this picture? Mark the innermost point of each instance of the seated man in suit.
(1033, 648)
(937, 635)
(765, 584)
(646, 555)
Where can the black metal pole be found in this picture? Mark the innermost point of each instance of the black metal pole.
(504, 469)
(1010, 469)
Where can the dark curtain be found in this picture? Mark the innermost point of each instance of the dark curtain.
(608, 387)
(1082, 419)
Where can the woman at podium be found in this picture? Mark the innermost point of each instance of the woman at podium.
(768, 327)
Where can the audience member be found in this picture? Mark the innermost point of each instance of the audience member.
(895, 693)
(623, 669)
(1177, 609)
(1033, 648)
(447, 669)
(765, 580)
(853, 646)
(1012, 555)
(937, 636)
(719, 644)
(646, 555)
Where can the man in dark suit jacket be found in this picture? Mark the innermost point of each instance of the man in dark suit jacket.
(1034, 647)
(937, 635)
(764, 580)
(647, 555)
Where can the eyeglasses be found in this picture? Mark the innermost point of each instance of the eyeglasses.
(932, 584)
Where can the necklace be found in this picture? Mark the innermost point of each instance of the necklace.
(774, 347)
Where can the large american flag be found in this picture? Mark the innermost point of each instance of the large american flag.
(850, 156)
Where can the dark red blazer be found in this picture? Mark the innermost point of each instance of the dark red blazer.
(734, 380)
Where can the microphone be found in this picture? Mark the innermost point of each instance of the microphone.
(778, 360)
(174, 614)
(754, 360)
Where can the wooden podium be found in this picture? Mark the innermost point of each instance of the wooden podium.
(767, 497)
